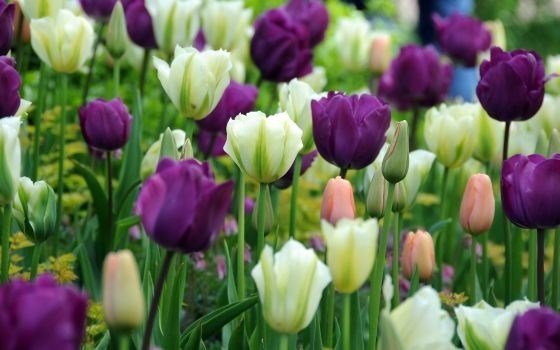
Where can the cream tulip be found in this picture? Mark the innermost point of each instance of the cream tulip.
(10, 158)
(41, 8)
(35, 209)
(227, 25)
(352, 40)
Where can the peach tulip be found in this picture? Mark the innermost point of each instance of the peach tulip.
(477, 208)
(418, 250)
(338, 201)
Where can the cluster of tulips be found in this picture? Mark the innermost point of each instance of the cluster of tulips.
(362, 284)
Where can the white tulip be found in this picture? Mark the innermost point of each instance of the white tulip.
(352, 40)
(41, 8)
(227, 25)
(10, 158)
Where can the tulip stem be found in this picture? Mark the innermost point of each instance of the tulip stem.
(556, 270)
(532, 269)
(110, 219)
(343, 172)
(485, 266)
(346, 322)
(19, 42)
(508, 270)
(284, 343)
(413, 126)
(293, 199)
(61, 145)
(376, 280)
(92, 62)
(117, 77)
(241, 236)
(440, 240)
(260, 217)
(473, 271)
(396, 242)
(42, 94)
(6, 228)
(123, 342)
(540, 265)
(329, 339)
(155, 299)
(37, 250)
(143, 70)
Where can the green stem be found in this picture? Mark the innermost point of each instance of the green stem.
(396, 242)
(110, 219)
(293, 199)
(507, 234)
(556, 270)
(6, 228)
(329, 339)
(19, 43)
(241, 236)
(540, 265)
(376, 279)
(123, 342)
(143, 70)
(35, 258)
(43, 78)
(532, 270)
(61, 145)
(440, 244)
(260, 217)
(346, 322)
(92, 62)
(485, 266)
(473, 271)
(413, 127)
(116, 76)
(284, 343)
(414, 282)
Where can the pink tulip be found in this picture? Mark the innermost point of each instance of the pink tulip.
(477, 208)
(338, 201)
(418, 250)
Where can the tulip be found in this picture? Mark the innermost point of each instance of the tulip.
(376, 199)
(351, 247)
(338, 201)
(485, 327)
(306, 162)
(195, 81)
(35, 209)
(181, 207)
(546, 118)
(313, 15)
(10, 159)
(61, 49)
(420, 163)
(211, 144)
(41, 315)
(139, 24)
(497, 32)
(418, 251)
(415, 78)
(511, 85)
(227, 25)
(105, 124)
(237, 99)
(280, 46)
(488, 135)
(477, 208)
(10, 83)
(530, 191)
(462, 37)
(295, 99)
(123, 300)
(116, 39)
(353, 41)
(290, 285)
(535, 329)
(152, 156)
(7, 12)
(41, 8)
(448, 133)
(349, 131)
(99, 9)
(380, 53)
(264, 148)
(317, 79)
(395, 161)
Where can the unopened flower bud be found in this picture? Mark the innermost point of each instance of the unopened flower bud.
(380, 54)
(418, 250)
(477, 208)
(269, 217)
(395, 163)
(400, 198)
(117, 36)
(377, 196)
(338, 201)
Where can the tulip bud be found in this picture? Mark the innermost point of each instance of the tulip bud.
(10, 83)
(269, 216)
(123, 302)
(10, 158)
(290, 285)
(395, 162)
(150, 160)
(338, 201)
(380, 54)
(351, 247)
(377, 196)
(7, 12)
(418, 250)
(116, 38)
(168, 146)
(477, 208)
(400, 197)
(35, 209)
(40, 8)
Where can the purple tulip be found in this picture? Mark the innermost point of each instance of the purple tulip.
(536, 329)
(280, 47)
(7, 13)
(199, 41)
(41, 315)
(182, 207)
(462, 37)
(530, 191)
(100, 9)
(211, 144)
(511, 85)
(313, 14)
(415, 78)
(237, 98)
(105, 124)
(139, 24)
(286, 180)
(10, 82)
(349, 131)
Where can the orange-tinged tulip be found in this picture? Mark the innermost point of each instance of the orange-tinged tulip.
(380, 54)
(338, 201)
(477, 208)
(418, 250)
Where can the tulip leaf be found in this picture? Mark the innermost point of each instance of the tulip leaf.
(104, 342)
(171, 302)
(238, 339)
(194, 339)
(438, 226)
(88, 275)
(168, 146)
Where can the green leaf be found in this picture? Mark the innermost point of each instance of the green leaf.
(194, 339)
(168, 146)
(238, 340)
(438, 226)
(123, 225)
(104, 342)
(171, 303)
(357, 333)
(233, 296)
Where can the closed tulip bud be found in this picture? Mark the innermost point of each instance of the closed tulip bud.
(395, 162)
(116, 38)
(338, 201)
(377, 196)
(400, 198)
(139, 24)
(62, 49)
(449, 133)
(477, 208)
(269, 216)
(353, 42)
(152, 156)
(10, 83)
(227, 25)
(7, 12)
(10, 158)
(40, 8)
(123, 300)
(195, 81)
(290, 285)
(35, 209)
(264, 148)
(351, 247)
(380, 54)
(418, 250)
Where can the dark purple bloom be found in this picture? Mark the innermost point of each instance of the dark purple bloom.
(349, 131)
(100, 9)
(511, 85)
(105, 124)
(237, 98)
(41, 315)
(536, 329)
(199, 41)
(249, 205)
(415, 78)
(462, 37)
(6, 27)
(286, 180)
(139, 24)
(211, 144)
(313, 14)
(280, 46)
(531, 191)
(182, 207)
(10, 82)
